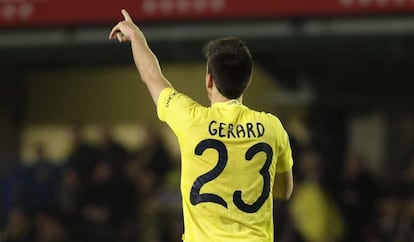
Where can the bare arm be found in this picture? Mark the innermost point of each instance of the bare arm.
(145, 60)
(283, 186)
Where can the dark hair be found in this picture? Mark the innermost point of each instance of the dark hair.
(230, 63)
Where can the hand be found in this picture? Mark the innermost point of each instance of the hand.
(124, 30)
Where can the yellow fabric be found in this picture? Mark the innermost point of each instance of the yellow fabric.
(315, 216)
(223, 134)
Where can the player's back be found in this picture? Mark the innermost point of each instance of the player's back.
(229, 155)
(227, 174)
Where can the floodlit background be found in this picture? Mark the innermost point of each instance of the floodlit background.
(83, 156)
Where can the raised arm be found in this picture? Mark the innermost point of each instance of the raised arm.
(145, 60)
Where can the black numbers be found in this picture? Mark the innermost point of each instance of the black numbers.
(196, 197)
(237, 195)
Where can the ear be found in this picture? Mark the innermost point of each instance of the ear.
(209, 81)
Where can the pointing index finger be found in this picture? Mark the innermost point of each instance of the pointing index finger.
(126, 14)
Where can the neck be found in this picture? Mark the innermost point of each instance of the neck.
(217, 97)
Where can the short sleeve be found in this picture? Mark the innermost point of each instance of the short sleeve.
(177, 109)
(165, 98)
(284, 160)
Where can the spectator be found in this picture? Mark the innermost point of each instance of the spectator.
(110, 150)
(315, 215)
(39, 182)
(18, 227)
(388, 217)
(9, 188)
(68, 199)
(48, 227)
(107, 204)
(82, 155)
(404, 230)
(357, 195)
(154, 156)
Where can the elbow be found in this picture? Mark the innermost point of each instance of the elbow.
(283, 186)
(285, 196)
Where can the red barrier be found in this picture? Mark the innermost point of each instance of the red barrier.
(32, 13)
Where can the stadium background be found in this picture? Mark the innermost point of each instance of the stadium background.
(338, 74)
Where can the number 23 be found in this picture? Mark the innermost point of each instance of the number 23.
(196, 197)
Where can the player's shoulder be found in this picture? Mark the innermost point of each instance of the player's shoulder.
(265, 115)
(167, 95)
(170, 96)
(175, 106)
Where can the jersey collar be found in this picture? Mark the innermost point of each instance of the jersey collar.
(230, 102)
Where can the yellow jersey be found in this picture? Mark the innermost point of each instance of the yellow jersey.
(229, 157)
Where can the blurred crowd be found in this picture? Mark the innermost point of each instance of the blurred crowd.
(102, 192)
(352, 206)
